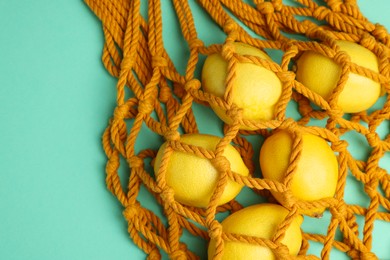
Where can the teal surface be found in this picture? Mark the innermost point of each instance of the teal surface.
(55, 101)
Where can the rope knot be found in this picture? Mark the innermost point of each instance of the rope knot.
(193, 84)
(286, 76)
(265, 8)
(369, 187)
(321, 12)
(288, 199)
(381, 175)
(234, 112)
(220, 163)
(127, 63)
(178, 255)
(228, 50)
(195, 43)
(120, 112)
(341, 57)
(289, 123)
(172, 135)
(230, 27)
(335, 5)
(290, 46)
(335, 113)
(281, 252)
(154, 254)
(168, 195)
(145, 106)
(135, 162)
(368, 42)
(158, 61)
(311, 29)
(379, 32)
(278, 5)
(339, 146)
(339, 210)
(215, 230)
(131, 211)
(373, 139)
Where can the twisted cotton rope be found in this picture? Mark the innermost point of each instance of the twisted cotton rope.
(161, 99)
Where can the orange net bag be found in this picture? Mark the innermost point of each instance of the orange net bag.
(154, 95)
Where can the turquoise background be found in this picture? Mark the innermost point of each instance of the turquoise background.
(55, 101)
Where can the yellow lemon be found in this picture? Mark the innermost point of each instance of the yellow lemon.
(320, 74)
(256, 89)
(193, 179)
(261, 221)
(317, 170)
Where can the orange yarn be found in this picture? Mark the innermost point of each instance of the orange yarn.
(161, 99)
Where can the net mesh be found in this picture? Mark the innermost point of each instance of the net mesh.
(152, 93)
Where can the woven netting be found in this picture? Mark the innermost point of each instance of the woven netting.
(153, 94)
